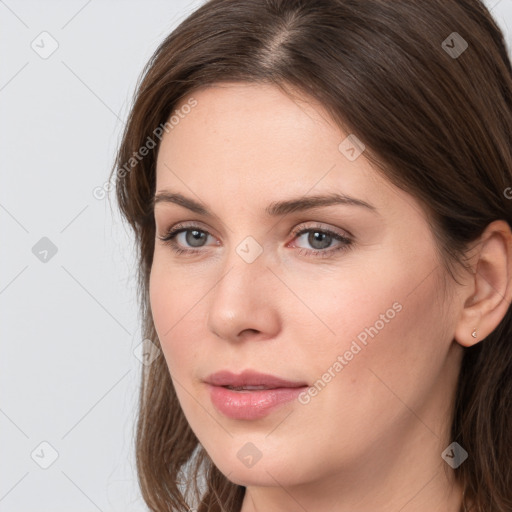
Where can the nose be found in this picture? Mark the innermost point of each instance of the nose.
(245, 301)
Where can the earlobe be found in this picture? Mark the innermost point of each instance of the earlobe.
(488, 299)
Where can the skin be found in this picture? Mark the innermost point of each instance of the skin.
(372, 438)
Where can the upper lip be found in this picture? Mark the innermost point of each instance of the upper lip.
(250, 378)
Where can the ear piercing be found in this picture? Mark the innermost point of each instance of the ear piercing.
(474, 333)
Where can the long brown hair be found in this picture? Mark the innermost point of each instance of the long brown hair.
(436, 119)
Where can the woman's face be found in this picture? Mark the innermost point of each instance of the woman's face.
(343, 300)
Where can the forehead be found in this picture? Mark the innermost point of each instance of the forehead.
(244, 146)
(255, 131)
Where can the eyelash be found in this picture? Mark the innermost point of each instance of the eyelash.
(169, 237)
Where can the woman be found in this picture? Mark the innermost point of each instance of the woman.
(320, 194)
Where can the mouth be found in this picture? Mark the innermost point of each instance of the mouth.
(250, 395)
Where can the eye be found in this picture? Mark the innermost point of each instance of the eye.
(321, 239)
(193, 235)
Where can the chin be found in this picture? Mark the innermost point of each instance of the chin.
(265, 472)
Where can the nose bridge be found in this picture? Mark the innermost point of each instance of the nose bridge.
(245, 265)
(240, 298)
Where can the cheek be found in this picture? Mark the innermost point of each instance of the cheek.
(385, 300)
(393, 343)
(384, 320)
(175, 316)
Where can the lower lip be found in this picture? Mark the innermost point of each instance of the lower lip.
(251, 405)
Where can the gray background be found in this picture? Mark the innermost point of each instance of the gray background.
(69, 360)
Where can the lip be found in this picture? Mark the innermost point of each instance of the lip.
(250, 404)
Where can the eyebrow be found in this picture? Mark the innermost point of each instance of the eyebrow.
(274, 209)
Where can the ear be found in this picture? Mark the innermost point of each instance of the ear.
(487, 299)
